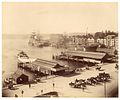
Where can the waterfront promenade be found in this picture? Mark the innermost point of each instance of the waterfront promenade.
(63, 88)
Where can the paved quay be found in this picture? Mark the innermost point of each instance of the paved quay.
(63, 88)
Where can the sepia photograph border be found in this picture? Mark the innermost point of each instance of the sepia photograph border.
(56, 1)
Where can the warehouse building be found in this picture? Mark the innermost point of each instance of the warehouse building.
(109, 51)
(94, 57)
(47, 67)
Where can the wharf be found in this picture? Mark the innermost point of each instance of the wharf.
(63, 88)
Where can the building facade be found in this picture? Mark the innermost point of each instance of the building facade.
(102, 41)
(116, 43)
(109, 41)
(90, 41)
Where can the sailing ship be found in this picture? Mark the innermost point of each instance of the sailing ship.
(37, 41)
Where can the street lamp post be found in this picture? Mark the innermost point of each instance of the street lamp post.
(104, 83)
(105, 89)
(53, 84)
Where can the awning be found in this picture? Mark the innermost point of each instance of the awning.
(91, 60)
(83, 54)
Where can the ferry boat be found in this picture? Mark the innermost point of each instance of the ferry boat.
(22, 54)
(24, 58)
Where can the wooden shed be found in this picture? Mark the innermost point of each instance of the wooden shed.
(20, 78)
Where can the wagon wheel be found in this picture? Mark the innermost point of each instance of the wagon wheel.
(75, 86)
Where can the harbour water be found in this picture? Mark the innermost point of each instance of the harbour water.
(13, 44)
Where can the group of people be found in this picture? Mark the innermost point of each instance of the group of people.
(9, 82)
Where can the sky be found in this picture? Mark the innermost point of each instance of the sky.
(26, 17)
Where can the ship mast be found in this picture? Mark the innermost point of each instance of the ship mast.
(86, 36)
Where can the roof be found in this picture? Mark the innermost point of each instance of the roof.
(50, 65)
(40, 61)
(24, 60)
(110, 35)
(17, 74)
(94, 55)
(106, 50)
(91, 60)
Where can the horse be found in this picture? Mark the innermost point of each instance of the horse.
(98, 68)
(72, 84)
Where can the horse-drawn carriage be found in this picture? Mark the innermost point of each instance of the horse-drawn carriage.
(78, 84)
(92, 81)
(102, 77)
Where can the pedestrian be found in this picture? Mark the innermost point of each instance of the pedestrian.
(53, 85)
(83, 88)
(22, 92)
(41, 92)
(29, 85)
(53, 57)
(16, 95)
